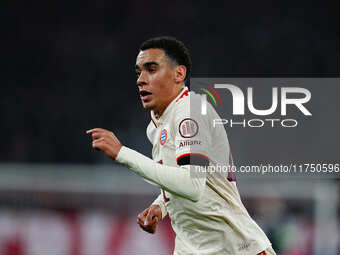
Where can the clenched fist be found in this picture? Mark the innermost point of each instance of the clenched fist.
(149, 218)
(105, 141)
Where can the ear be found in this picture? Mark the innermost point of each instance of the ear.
(180, 73)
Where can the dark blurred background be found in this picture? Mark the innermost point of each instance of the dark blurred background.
(69, 66)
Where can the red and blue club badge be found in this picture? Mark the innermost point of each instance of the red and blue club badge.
(163, 137)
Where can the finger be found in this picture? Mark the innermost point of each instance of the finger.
(90, 131)
(145, 212)
(99, 144)
(148, 229)
(155, 219)
(106, 133)
(139, 222)
(99, 140)
(144, 227)
(149, 218)
(143, 215)
(140, 217)
(96, 135)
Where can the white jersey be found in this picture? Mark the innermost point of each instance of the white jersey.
(218, 223)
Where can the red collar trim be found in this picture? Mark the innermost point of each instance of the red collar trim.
(184, 93)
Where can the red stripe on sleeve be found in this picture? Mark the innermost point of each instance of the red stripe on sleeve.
(195, 154)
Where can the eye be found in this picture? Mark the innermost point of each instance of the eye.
(152, 70)
(138, 74)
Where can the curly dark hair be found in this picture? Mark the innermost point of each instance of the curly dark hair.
(174, 49)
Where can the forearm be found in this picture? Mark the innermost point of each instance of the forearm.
(176, 180)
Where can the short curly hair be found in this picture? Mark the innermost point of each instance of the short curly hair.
(174, 49)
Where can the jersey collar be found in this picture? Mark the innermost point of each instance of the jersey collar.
(163, 117)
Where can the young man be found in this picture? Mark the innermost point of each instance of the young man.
(206, 211)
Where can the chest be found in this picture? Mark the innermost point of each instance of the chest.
(162, 138)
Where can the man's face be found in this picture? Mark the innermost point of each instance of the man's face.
(155, 80)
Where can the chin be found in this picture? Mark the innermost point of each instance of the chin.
(148, 106)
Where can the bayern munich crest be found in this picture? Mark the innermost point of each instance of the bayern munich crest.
(188, 128)
(163, 137)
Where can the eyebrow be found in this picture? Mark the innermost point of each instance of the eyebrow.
(147, 64)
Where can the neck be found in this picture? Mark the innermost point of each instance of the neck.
(158, 113)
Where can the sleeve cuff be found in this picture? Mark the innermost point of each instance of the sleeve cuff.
(123, 155)
(162, 205)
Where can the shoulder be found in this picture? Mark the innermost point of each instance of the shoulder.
(187, 101)
(187, 107)
(194, 111)
(150, 130)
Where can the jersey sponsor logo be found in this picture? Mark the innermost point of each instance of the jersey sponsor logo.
(188, 128)
(163, 137)
(188, 143)
(243, 246)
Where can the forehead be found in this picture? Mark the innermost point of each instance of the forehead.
(150, 55)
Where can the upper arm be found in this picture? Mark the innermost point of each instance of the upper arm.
(192, 138)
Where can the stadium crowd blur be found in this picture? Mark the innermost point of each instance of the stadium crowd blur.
(69, 66)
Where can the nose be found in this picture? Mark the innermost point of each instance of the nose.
(142, 79)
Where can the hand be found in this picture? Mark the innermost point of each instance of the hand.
(105, 141)
(149, 218)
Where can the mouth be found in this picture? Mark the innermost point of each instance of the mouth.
(145, 95)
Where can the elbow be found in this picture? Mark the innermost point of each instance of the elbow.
(195, 198)
(197, 191)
